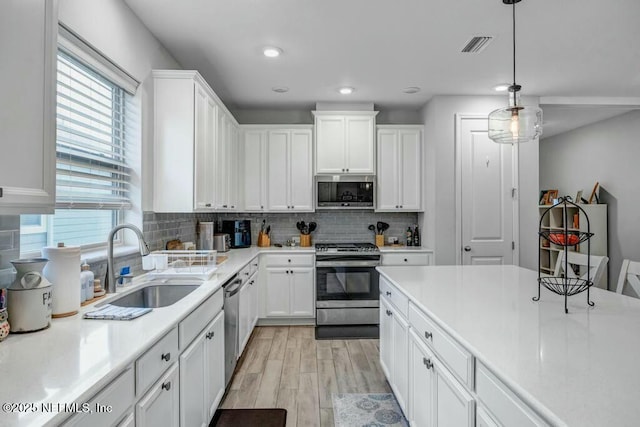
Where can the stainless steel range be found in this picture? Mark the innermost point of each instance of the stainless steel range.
(347, 290)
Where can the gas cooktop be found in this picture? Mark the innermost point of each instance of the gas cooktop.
(346, 247)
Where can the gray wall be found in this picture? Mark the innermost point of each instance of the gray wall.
(438, 220)
(607, 152)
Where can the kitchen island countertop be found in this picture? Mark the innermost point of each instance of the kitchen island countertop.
(579, 369)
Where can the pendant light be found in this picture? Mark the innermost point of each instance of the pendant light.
(515, 123)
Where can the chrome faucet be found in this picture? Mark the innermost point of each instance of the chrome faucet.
(110, 279)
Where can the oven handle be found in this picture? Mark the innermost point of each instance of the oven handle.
(347, 263)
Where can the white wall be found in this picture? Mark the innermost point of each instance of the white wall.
(112, 28)
(607, 152)
(438, 221)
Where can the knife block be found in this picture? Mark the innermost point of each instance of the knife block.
(263, 240)
(305, 240)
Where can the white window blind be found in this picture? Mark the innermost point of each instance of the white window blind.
(95, 119)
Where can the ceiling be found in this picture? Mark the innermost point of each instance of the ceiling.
(379, 47)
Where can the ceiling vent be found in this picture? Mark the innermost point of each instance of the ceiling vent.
(476, 44)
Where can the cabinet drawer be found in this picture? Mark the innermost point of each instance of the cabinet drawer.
(291, 260)
(459, 360)
(245, 273)
(190, 327)
(502, 403)
(404, 258)
(154, 362)
(120, 395)
(397, 298)
(253, 265)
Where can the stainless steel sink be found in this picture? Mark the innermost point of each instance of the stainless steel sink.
(155, 295)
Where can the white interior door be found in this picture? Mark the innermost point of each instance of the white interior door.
(486, 207)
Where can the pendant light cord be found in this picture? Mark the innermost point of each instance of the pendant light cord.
(514, 43)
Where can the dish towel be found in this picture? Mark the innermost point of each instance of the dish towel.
(111, 312)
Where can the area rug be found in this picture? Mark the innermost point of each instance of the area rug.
(367, 410)
(249, 418)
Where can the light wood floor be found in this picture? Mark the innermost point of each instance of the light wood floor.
(285, 367)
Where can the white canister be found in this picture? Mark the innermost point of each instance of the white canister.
(62, 272)
(29, 297)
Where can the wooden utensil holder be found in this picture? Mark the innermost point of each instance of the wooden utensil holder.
(263, 240)
(379, 240)
(305, 240)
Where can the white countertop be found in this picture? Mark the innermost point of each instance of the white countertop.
(581, 368)
(390, 249)
(74, 358)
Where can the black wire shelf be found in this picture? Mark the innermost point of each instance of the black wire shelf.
(565, 238)
(565, 285)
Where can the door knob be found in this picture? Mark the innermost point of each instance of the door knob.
(467, 248)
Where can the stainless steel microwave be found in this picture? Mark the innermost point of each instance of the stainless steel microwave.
(345, 192)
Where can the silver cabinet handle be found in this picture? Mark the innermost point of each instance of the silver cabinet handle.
(427, 363)
(405, 260)
(467, 248)
(428, 335)
(288, 260)
(389, 313)
(388, 293)
(246, 273)
(167, 385)
(347, 169)
(210, 335)
(261, 207)
(166, 356)
(208, 205)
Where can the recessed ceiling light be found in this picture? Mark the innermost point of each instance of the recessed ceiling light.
(411, 89)
(502, 87)
(272, 51)
(280, 89)
(346, 90)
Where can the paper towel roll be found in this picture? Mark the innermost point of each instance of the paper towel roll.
(63, 271)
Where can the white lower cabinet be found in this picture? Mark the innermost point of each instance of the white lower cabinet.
(483, 419)
(161, 405)
(289, 285)
(202, 375)
(395, 328)
(129, 420)
(436, 398)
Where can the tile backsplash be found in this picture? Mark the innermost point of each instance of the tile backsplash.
(158, 228)
(333, 226)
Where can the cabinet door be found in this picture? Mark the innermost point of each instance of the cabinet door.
(204, 145)
(161, 405)
(253, 283)
(453, 405)
(254, 174)
(232, 168)
(222, 144)
(28, 34)
(330, 144)
(301, 177)
(214, 366)
(386, 338)
(244, 310)
(421, 397)
(400, 366)
(360, 148)
(193, 409)
(388, 175)
(410, 165)
(277, 292)
(277, 171)
(302, 292)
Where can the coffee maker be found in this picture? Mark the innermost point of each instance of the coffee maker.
(239, 231)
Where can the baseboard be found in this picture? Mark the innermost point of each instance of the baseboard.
(287, 321)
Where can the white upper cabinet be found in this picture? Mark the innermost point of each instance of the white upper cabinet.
(345, 142)
(195, 146)
(254, 149)
(399, 168)
(28, 41)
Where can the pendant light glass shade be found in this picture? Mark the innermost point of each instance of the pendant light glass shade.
(515, 123)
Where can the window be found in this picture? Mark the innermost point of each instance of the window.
(96, 127)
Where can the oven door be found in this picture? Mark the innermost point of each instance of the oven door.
(347, 284)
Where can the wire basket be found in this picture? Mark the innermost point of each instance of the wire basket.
(183, 264)
(565, 285)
